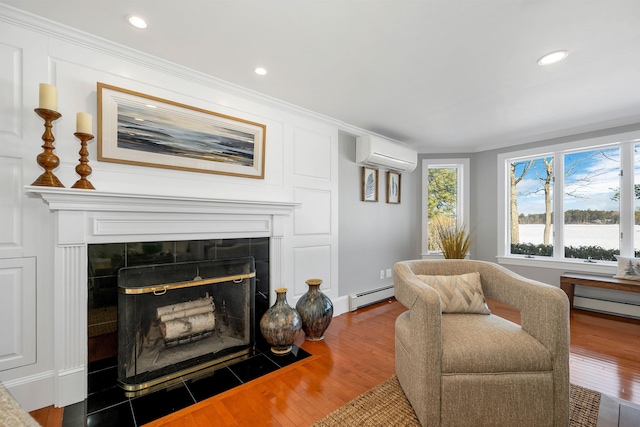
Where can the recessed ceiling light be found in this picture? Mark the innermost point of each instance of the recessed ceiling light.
(553, 57)
(260, 71)
(137, 22)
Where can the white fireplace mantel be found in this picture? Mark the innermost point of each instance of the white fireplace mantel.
(89, 216)
(70, 199)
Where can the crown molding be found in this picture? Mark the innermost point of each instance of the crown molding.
(70, 35)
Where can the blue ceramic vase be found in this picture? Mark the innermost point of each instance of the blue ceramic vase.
(280, 324)
(316, 311)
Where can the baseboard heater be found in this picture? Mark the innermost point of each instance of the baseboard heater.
(616, 308)
(362, 299)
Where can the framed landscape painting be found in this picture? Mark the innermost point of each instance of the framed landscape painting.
(139, 129)
(369, 184)
(393, 187)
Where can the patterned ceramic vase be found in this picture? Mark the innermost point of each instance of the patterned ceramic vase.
(316, 310)
(280, 324)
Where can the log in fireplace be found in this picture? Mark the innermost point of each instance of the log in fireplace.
(174, 320)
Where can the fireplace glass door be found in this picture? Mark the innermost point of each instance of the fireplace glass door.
(174, 320)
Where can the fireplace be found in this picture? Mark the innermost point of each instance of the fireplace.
(177, 319)
(121, 274)
(86, 218)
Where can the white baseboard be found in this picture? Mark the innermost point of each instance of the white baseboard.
(340, 305)
(33, 392)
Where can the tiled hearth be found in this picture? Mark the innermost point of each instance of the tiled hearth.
(107, 405)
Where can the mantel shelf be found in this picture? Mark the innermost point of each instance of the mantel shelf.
(71, 199)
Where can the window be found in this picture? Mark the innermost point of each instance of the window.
(591, 204)
(445, 197)
(572, 203)
(531, 206)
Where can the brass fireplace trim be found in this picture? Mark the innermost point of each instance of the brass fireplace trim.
(162, 289)
(134, 390)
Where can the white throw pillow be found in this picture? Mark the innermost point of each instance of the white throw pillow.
(628, 268)
(459, 294)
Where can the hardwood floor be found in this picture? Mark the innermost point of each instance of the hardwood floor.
(358, 353)
(49, 416)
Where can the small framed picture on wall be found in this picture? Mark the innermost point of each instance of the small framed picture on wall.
(369, 184)
(393, 187)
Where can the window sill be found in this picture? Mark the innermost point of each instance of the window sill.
(603, 267)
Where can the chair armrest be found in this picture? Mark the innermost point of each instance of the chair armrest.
(425, 312)
(418, 341)
(544, 309)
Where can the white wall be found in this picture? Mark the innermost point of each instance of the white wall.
(301, 166)
(374, 236)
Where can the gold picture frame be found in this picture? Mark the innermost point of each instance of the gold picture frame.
(394, 187)
(369, 184)
(144, 130)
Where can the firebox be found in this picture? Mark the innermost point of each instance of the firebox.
(175, 320)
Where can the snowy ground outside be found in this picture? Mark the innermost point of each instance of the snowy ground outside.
(605, 236)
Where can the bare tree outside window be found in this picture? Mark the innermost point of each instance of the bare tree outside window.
(589, 181)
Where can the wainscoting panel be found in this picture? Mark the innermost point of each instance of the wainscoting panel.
(11, 70)
(315, 222)
(314, 214)
(312, 154)
(11, 99)
(11, 212)
(17, 312)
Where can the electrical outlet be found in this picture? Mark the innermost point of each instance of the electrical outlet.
(382, 274)
(388, 272)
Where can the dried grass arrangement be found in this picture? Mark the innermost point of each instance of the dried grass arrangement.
(452, 239)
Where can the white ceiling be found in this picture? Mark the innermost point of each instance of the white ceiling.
(441, 75)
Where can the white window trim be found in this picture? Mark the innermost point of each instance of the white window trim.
(627, 200)
(464, 197)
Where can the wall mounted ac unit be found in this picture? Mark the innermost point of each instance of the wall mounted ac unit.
(384, 154)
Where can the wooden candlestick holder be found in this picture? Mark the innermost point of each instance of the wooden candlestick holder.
(83, 169)
(47, 159)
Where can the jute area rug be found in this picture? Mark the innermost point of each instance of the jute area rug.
(386, 405)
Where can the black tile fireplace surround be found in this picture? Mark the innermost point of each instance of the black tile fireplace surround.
(105, 260)
(107, 405)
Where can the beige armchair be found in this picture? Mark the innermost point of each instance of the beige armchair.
(477, 369)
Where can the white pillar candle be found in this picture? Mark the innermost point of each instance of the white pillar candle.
(84, 123)
(48, 97)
